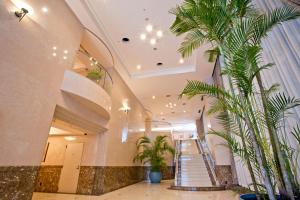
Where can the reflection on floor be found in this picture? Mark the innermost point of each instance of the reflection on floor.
(144, 191)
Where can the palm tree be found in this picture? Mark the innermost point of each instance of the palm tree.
(215, 22)
(153, 152)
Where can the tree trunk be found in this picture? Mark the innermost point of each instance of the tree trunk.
(275, 143)
(258, 152)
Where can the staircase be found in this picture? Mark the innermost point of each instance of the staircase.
(193, 170)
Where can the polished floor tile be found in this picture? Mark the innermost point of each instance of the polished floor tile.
(144, 191)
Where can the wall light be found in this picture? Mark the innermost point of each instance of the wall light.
(21, 13)
(23, 9)
(125, 106)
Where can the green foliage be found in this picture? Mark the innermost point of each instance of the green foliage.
(235, 30)
(94, 74)
(153, 152)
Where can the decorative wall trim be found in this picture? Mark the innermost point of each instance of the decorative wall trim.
(48, 178)
(17, 182)
(224, 174)
(97, 180)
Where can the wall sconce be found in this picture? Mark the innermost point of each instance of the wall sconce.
(125, 107)
(21, 13)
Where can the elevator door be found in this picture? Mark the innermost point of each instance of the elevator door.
(70, 171)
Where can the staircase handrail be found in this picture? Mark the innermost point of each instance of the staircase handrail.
(176, 159)
(206, 152)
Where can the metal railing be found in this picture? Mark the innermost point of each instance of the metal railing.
(177, 161)
(95, 70)
(206, 152)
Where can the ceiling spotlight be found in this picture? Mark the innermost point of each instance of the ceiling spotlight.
(181, 61)
(153, 41)
(174, 104)
(149, 28)
(65, 57)
(159, 33)
(153, 97)
(91, 58)
(66, 52)
(54, 54)
(54, 48)
(167, 105)
(143, 36)
(138, 66)
(184, 111)
(45, 9)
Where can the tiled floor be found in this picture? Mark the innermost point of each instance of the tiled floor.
(144, 191)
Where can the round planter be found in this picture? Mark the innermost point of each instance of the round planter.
(155, 177)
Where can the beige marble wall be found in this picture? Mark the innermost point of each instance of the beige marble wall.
(111, 150)
(31, 76)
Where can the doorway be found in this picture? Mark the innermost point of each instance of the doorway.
(71, 166)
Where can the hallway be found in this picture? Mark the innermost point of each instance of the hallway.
(144, 191)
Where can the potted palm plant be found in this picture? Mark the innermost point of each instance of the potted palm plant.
(153, 152)
(236, 30)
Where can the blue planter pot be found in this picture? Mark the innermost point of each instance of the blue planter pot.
(253, 197)
(155, 177)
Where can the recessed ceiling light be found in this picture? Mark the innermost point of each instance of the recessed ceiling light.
(153, 97)
(174, 104)
(125, 39)
(153, 41)
(143, 36)
(184, 111)
(138, 66)
(159, 33)
(161, 113)
(54, 54)
(149, 28)
(167, 105)
(181, 61)
(65, 57)
(54, 48)
(45, 9)
(66, 52)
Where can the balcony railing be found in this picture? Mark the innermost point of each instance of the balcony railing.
(92, 68)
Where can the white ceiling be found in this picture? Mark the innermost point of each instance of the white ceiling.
(114, 19)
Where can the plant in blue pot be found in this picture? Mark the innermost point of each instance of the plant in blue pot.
(154, 152)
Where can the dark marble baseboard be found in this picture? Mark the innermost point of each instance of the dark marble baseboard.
(17, 182)
(48, 178)
(224, 174)
(95, 180)
(99, 180)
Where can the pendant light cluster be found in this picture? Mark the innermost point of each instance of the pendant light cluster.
(151, 35)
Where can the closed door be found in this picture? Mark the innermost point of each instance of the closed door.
(70, 171)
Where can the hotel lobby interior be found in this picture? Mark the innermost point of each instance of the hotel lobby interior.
(150, 99)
